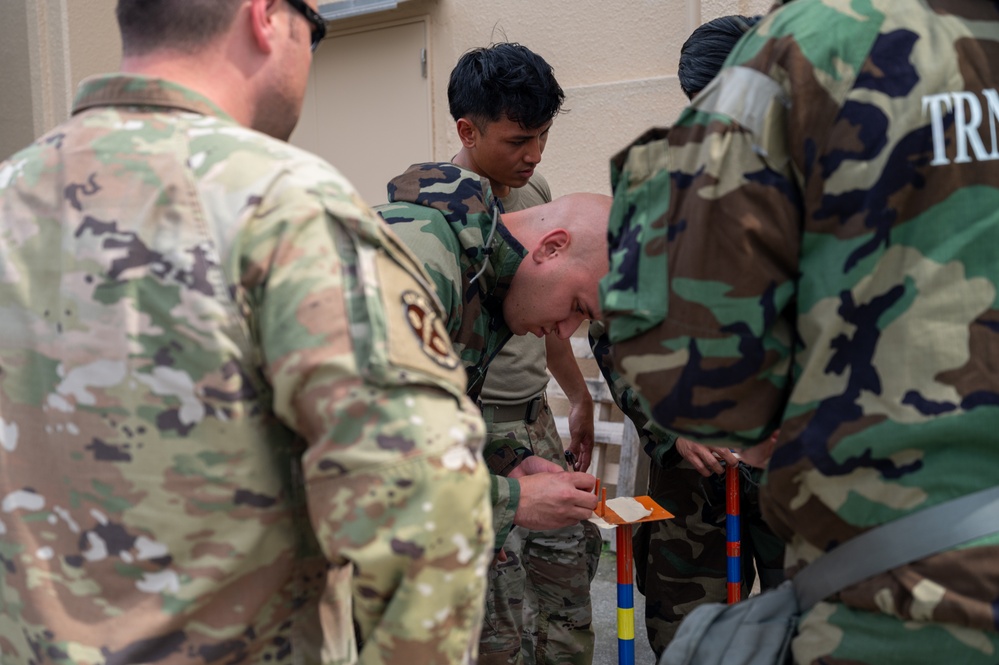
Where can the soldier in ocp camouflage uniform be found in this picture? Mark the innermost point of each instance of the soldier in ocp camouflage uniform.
(231, 428)
(819, 254)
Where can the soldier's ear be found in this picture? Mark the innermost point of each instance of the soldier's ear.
(551, 245)
(467, 132)
(262, 24)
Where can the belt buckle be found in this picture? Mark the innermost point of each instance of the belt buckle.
(534, 409)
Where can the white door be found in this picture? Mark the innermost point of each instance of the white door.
(367, 108)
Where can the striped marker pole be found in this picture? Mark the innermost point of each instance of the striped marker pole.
(625, 597)
(732, 536)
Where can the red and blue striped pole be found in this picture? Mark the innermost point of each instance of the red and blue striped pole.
(625, 597)
(626, 569)
(732, 533)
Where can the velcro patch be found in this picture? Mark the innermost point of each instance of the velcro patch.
(417, 334)
(429, 329)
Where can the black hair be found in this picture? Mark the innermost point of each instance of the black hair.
(181, 25)
(704, 52)
(504, 79)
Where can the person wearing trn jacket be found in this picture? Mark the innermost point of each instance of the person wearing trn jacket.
(815, 252)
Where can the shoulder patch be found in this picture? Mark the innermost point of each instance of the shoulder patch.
(429, 329)
(417, 333)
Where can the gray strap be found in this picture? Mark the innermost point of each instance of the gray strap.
(913, 537)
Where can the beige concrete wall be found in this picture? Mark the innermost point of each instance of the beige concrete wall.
(17, 125)
(47, 48)
(95, 47)
(616, 62)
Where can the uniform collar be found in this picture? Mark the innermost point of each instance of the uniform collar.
(467, 203)
(132, 90)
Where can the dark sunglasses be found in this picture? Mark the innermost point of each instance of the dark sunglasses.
(313, 17)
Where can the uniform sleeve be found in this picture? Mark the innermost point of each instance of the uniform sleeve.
(657, 443)
(414, 225)
(360, 365)
(505, 497)
(503, 454)
(706, 222)
(437, 253)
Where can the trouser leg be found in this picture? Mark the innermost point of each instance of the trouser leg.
(558, 619)
(683, 560)
(500, 643)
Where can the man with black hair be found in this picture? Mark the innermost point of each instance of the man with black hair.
(682, 562)
(504, 99)
(704, 52)
(223, 436)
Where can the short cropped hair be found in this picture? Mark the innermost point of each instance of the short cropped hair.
(704, 52)
(505, 79)
(179, 25)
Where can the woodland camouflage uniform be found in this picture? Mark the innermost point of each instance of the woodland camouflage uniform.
(446, 214)
(449, 218)
(815, 251)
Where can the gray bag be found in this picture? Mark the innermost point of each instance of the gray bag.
(755, 631)
(758, 631)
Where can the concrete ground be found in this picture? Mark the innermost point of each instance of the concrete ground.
(603, 591)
